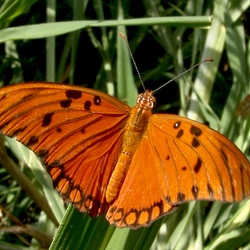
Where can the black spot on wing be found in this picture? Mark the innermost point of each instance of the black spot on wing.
(87, 105)
(59, 130)
(66, 103)
(180, 197)
(97, 100)
(42, 154)
(210, 190)
(47, 119)
(180, 133)
(198, 165)
(195, 191)
(33, 140)
(177, 125)
(74, 94)
(195, 143)
(195, 130)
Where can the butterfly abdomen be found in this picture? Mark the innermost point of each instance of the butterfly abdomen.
(136, 125)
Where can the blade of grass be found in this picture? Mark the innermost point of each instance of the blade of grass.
(207, 71)
(50, 44)
(11, 9)
(53, 200)
(126, 89)
(59, 28)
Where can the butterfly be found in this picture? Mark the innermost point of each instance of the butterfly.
(106, 157)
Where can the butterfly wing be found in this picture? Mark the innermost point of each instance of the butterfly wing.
(197, 162)
(178, 160)
(77, 133)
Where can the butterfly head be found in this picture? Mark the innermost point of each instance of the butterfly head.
(146, 100)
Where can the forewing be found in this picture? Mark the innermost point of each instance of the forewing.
(197, 162)
(76, 132)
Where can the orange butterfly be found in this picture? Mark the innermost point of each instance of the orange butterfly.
(104, 156)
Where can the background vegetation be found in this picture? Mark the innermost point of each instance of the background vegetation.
(39, 42)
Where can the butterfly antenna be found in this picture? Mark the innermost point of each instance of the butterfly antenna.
(136, 68)
(196, 65)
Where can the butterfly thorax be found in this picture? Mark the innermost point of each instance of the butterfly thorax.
(134, 130)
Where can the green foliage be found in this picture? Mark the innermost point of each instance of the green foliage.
(165, 38)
